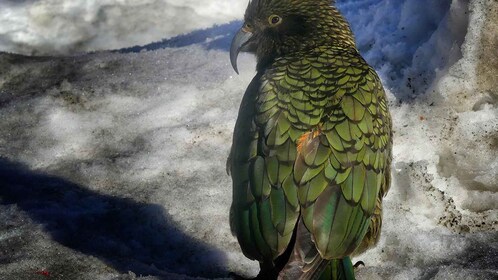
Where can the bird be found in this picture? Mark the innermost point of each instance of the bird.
(311, 151)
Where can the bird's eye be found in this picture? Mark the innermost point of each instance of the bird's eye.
(274, 19)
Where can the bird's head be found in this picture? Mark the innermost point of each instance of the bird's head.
(273, 28)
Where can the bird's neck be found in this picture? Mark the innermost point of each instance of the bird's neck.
(335, 29)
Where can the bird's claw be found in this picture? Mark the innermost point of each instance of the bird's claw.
(358, 264)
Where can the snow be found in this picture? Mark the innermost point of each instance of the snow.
(60, 27)
(406, 41)
(112, 164)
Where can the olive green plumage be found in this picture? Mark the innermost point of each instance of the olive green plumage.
(311, 152)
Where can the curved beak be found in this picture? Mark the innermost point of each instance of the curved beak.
(240, 40)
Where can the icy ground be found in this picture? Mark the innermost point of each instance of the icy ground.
(112, 164)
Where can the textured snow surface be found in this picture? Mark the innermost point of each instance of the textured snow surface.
(68, 26)
(112, 165)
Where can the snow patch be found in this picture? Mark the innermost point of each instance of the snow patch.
(115, 162)
(62, 27)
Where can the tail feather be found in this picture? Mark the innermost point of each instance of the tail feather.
(340, 269)
(305, 262)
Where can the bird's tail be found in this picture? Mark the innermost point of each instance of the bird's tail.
(340, 269)
(305, 262)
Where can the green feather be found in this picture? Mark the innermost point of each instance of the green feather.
(258, 239)
(316, 187)
(310, 173)
(272, 169)
(267, 226)
(260, 186)
(342, 175)
(343, 130)
(290, 189)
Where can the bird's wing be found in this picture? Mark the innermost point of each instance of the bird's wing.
(330, 107)
(341, 164)
(265, 210)
(337, 114)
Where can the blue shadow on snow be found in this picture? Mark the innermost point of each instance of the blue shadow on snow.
(217, 37)
(125, 234)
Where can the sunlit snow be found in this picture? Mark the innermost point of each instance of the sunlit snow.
(68, 26)
(112, 164)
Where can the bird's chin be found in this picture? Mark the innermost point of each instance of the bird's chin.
(249, 47)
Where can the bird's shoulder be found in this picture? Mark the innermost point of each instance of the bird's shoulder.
(335, 59)
(331, 70)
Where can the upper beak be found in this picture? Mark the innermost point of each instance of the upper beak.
(239, 42)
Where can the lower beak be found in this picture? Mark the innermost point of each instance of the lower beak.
(239, 41)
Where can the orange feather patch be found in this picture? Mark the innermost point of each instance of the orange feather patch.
(306, 137)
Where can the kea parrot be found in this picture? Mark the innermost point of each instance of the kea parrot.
(311, 153)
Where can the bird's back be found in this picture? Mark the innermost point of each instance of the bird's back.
(312, 140)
